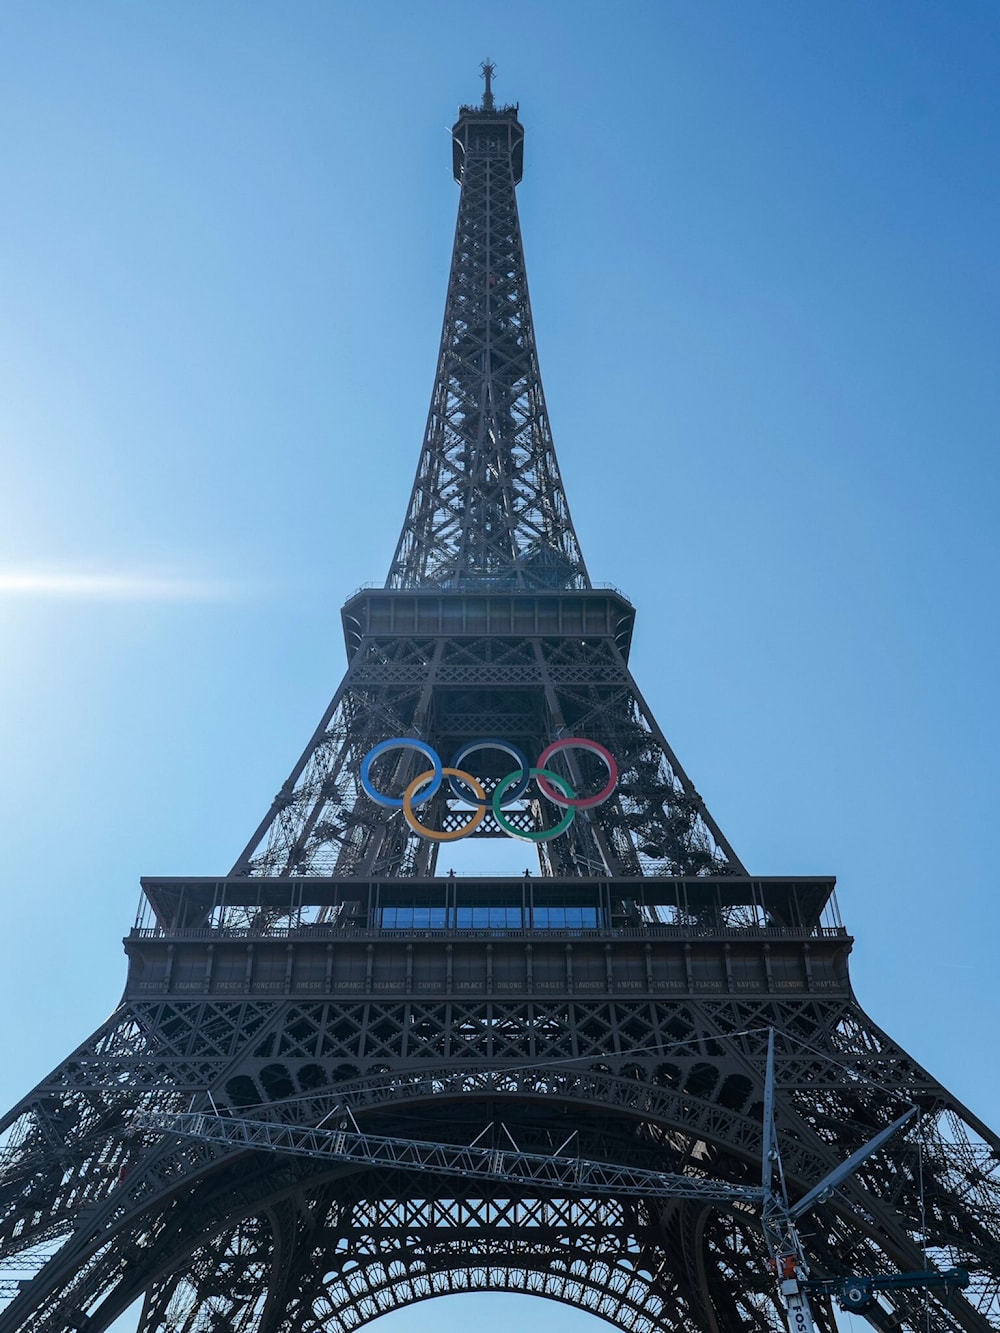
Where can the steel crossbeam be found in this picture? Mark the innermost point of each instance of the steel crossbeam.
(520, 1168)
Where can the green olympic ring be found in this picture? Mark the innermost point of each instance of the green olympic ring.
(545, 834)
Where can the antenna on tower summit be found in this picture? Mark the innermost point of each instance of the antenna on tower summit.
(489, 69)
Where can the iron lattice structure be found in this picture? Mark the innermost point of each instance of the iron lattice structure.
(614, 1007)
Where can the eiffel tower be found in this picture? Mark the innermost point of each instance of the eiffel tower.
(613, 1007)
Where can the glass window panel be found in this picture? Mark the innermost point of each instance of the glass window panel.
(413, 918)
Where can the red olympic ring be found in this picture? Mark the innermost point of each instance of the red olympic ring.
(578, 802)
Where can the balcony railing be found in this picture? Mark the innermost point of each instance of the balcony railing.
(349, 934)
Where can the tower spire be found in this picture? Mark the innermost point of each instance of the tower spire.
(488, 507)
(489, 69)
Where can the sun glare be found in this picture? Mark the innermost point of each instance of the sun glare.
(134, 587)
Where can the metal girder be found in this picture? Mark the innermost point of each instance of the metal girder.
(507, 1164)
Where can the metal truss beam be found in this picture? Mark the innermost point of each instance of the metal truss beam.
(510, 1165)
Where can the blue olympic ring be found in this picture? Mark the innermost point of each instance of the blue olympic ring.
(400, 743)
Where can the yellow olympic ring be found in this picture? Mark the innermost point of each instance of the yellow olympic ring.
(422, 780)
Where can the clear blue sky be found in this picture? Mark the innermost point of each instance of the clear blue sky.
(762, 243)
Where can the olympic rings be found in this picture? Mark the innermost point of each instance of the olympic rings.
(468, 789)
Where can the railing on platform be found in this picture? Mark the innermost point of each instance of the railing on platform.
(348, 934)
